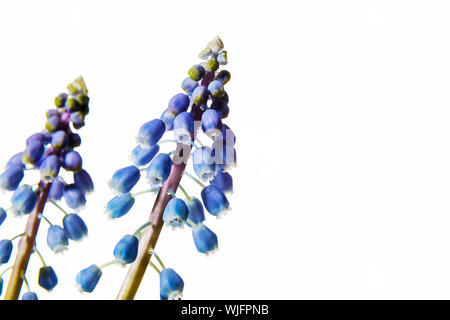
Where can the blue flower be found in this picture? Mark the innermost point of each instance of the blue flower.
(159, 170)
(29, 296)
(183, 128)
(197, 72)
(188, 85)
(221, 108)
(60, 139)
(2, 215)
(123, 180)
(168, 119)
(200, 95)
(77, 119)
(215, 201)
(11, 178)
(74, 196)
(216, 89)
(175, 213)
(228, 135)
(47, 278)
(205, 240)
(178, 103)
(1, 286)
(56, 189)
(196, 213)
(151, 132)
(73, 161)
(171, 285)
(83, 181)
(49, 167)
(141, 156)
(23, 200)
(211, 123)
(88, 278)
(203, 163)
(75, 227)
(224, 155)
(16, 161)
(126, 249)
(5, 250)
(74, 140)
(119, 205)
(33, 152)
(223, 181)
(57, 239)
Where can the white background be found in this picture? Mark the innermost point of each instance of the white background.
(341, 111)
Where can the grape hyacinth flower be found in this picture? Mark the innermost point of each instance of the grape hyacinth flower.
(203, 103)
(52, 154)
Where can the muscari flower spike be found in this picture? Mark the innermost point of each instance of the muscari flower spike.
(203, 103)
(51, 152)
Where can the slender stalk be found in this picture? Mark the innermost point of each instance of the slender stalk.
(139, 230)
(154, 267)
(26, 245)
(40, 256)
(18, 236)
(6, 270)
(151, 234)
(185, 193)
(107, 264)
(194, 179)
(157, 258)
(59, 207)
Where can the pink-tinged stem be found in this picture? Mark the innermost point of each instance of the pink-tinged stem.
(151, 234)
(26, 245)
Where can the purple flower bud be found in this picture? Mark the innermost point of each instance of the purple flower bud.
(178, 103)
(200, 95)
(74, 140)
(77, 119)
(197, 72)
(33, 152)
(59, 139)
(53, 124)
(221, 107)
(73, 161)
(47, 278)
(188, 85)
(49, 167)
(216, 89)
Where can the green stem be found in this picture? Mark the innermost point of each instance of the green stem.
(40, 256)
(6, 270)
(201, 144)
(56, 205)
(25, 280)
(145, 191)
(185, 193)
(194, 178)
(48, 221)
(154, 267)
(18, 236)
(107, 264)
(139, 230)
(167, 140)
(157, 258)
(172, 193)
